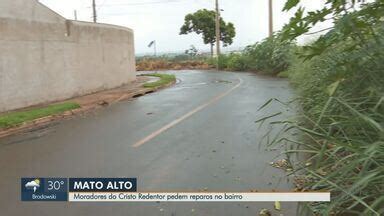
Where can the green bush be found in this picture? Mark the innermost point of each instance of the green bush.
(222, 61)
(211, 61)
(237, 62)
(271, 56)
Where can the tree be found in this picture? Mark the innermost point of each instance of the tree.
(203, 22)
(192, 52)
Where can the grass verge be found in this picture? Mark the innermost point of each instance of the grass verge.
(165, 79)
(16, 118)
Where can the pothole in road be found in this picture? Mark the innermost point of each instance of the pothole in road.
(222, 81)
(194, 85)
(138, 95)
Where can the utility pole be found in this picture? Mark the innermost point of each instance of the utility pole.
(94, 11)
(217, 32)
(75, 14)
(270, 18)
(155, 48)
(153, 43)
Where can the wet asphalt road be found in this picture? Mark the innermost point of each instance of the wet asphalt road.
(217, 148)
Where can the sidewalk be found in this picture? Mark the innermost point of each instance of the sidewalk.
(112, 96)
(88, 103)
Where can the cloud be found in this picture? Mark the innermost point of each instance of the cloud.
(161, 21)
(32, 184)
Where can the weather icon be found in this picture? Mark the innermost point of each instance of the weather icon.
(33, 185)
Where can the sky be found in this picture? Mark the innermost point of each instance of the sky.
(161, 20)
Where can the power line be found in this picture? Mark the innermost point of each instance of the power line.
(142, 3)
(96, 7)
(102, 4)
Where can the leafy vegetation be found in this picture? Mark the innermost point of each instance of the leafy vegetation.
(192, 51)
(16, 118)
(343, 124)
(340, 80)
(271, 56)
(165, 79)
(204, 22)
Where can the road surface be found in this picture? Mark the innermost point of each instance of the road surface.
(197, 135)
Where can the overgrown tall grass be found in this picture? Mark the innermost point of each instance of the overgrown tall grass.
(341, 127)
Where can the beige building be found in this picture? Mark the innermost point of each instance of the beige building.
(46, 58)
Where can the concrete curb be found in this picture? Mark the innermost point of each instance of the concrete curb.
(47, 120)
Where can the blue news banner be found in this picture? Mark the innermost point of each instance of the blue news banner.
(57, 189)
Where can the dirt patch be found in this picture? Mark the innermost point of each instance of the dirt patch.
(149, 65)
